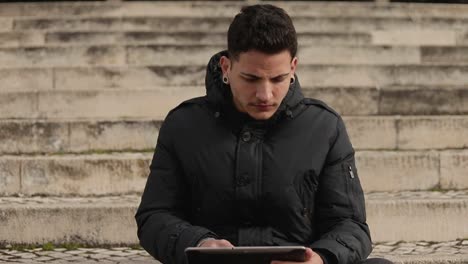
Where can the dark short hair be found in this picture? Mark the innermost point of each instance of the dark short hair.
(265, 28)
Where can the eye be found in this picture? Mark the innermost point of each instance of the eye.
(278, 80)
(250, 80)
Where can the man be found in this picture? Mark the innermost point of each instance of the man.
(254, 163)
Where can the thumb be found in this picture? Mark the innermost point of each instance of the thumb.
(308, 254)
(225, 243)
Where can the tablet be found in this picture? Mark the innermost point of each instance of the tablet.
(244, 255)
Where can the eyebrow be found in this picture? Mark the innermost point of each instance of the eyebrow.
(257, 77)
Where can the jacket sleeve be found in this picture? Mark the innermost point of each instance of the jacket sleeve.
(161, 217)
(344, 236)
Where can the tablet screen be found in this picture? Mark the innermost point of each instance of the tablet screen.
(244, 255)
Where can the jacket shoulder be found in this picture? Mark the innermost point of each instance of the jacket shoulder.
(320, 104)
(187, 103)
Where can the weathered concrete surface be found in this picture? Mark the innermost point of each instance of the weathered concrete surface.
(220, 24)
(338, 38)
(19, 105)
(423, 100)
(33, 136)
(454, 169)
(427, 216)
(159, 77)
(68, 136)
(18, 39)
(109, 220)
(134, 78)
(171, 55)
(444, 55)
(229, 8)
(310, 55)
(191, 38)
(348, 101)
(109, 104)
(117, 173)
(10, 181)
(26, 79)
(463, 40)
(372, 132)
(155, 103)
(154, 38)
(83, 175)
(414, 37)
(6, 24)
(398, 170)
(62, 56)
(382, 76)
(359, 55)
(79, 220)
(78, 135)
(116, 136)
(369, 24)
(432, 132)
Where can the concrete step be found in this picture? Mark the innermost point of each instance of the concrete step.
(156, 102)
(18, 39)
(229, 8)
(95, 103)
(92, 174)
(210, 23)
(44, 57)
(31, 136)
(427, 77)
(77, 136)
(391, 217)
(377, 37)
(120, 173)
(310, 55)
(110, 55)
(420, 252)
(198, 55)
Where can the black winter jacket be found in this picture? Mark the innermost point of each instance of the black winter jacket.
(289, 180)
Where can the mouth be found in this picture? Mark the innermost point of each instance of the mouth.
(263, 107)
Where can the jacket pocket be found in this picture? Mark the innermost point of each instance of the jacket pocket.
(355, 192)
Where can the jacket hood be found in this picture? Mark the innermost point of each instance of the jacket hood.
(220, 96)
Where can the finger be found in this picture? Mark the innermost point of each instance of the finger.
(309, 254)
(224, 243)
(207, 242)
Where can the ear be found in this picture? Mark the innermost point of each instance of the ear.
(225, 63)
(293, 66)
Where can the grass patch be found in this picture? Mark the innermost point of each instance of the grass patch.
(48, 247)
(136, 247)
(22, 247)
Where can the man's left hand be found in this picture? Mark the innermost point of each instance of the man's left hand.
(311, 258)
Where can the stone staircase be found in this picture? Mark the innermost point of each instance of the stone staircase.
(84, 88)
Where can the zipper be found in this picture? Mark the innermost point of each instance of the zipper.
(351, 173)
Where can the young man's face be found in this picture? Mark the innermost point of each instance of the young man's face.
(259, 82)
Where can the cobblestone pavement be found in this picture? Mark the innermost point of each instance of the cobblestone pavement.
(123, 255)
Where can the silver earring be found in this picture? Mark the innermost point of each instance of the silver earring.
(225, 80)
(293, 80)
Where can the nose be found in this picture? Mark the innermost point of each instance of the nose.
(264, 92)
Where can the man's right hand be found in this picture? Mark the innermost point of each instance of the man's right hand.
(211, 242)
